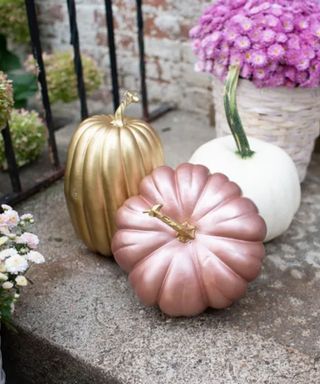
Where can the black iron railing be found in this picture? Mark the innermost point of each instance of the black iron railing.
(57, 169)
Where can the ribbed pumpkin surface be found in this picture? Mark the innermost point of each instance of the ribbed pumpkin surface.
(105, 165)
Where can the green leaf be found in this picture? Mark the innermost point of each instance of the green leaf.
(24, 87)
(8, 60)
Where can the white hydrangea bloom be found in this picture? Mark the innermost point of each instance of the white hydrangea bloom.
(2, 267)
(9, 218)
(3, 277)
(26, 217)
(31, 240)
(4, 229)
(35, 257)
(21, 281)
(16, 264)
(7, 285)
(6, 207)
(8, 253)
(3, 240)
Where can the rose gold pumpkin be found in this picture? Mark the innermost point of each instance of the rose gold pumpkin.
(198, 247)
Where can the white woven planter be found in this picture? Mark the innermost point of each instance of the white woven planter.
(289, 118)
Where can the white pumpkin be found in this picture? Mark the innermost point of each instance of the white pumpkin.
(265, 173)
(269, 178)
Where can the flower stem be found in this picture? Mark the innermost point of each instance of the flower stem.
(232, 114)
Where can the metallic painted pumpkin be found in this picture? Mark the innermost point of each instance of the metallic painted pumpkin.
(189, 240)
(107, 159)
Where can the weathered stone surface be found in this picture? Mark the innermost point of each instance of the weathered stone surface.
(81, 323)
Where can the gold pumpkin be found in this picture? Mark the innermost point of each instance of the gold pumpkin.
(108, 157)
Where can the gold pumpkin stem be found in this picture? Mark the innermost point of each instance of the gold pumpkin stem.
(127, 99)
(185, 231)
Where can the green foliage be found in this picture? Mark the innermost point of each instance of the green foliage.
(6, 99)
(61, 77)
(13, 20)
(6, 303)
(28, 134)
(24, 84)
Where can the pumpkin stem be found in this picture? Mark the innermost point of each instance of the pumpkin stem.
(185, 231)
(232, 114)
(127, 99)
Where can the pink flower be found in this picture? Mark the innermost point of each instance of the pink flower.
(294, 42)
(272, 41)
(224, 47)
(308, 52)
(289, 84)
(196, 44)
(211, 40)
(9, 219)
(258, 59)
(281, 38)
(260, 73)
(272, 21)
(246, 71)
(268, 36)
(246, 24)
(290, 73)
(315, 68)
(31, 240)
(292, 57)
(255, 35)
(237, 3)
(316, 29)
(236, 59)
(219, 70)
(288, 24)
(259, 8)
(276, 10)
(276, 80)
(199, 66)
(313, 81)
(231, 34)
(195, 32)
(243, 43)
(276, 51)
(302, 77)
(302, 24)
(302, 64)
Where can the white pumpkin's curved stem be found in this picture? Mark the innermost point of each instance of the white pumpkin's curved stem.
(232, 114)
(127, 99)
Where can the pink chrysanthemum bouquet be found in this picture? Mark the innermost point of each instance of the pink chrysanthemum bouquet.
(276, 43)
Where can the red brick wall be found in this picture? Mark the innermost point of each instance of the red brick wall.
(168, 54)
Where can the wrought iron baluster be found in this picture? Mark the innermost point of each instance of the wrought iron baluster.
(11, 160)
(37, 53)
(74, 33)
(143, 84)
(112, 54)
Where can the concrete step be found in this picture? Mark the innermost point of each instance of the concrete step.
(80, 322)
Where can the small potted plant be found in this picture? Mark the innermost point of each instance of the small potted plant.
(62, 80)
(277, 46)
(13, 20)
(28, 134)
(18, 250)
(6, 99)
